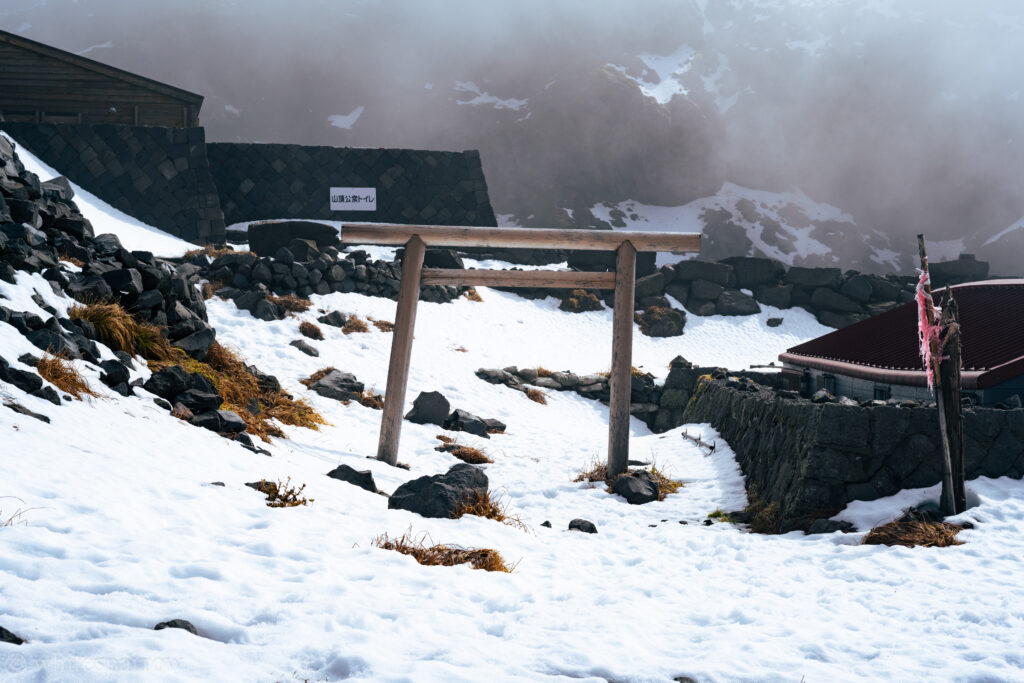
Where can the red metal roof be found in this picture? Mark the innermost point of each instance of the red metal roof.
(992, 338)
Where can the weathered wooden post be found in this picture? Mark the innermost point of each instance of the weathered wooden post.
(932, 358)
(401, 351)
(621, 378)
(950, 383)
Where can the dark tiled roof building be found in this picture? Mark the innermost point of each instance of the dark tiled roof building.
(879, 357)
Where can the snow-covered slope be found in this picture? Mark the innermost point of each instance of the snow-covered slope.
(123, 527)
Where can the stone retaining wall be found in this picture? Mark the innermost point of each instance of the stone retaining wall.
(811, 459)
(157, 175)
(268, 181)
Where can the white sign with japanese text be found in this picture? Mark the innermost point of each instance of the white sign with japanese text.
(353, 199)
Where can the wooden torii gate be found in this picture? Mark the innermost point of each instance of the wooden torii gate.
(416, 238)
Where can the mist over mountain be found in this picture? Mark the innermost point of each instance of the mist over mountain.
(904, 116)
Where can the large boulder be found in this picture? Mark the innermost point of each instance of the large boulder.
(266, 238)
(463, 421)
(440, 495)
(719, 273)
(735, 302)
(430, 407)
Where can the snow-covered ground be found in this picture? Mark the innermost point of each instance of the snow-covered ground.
(123, 528)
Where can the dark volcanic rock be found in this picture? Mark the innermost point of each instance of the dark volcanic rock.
(430, 407)
(341, 386)
(177, 623)
(636, 490)
(361, 478)
(583, 525)
(266, 238)
(305, 347)
(8, 637)
(440, 495)
(735, 302)
(463, 421)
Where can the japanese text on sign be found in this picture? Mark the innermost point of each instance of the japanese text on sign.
(353, 199)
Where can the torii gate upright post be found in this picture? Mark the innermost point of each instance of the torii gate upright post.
(621, 378)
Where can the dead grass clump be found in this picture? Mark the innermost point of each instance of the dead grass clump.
(765, 518)
(14, 518)
(308, 329)
(58, 371)
(371, 400)
(536, 395)
(658, 318)
(469, 454)
(444, 555)
(292, 304)
(915, 533)
(384, 325)
(543, 372)
(461, 349)
(119, 330)
(243, 395)
(212, 251)
(473, 295)
(71, 259)
(115, 326)
(210, 288)
(598, 471)
(481, 504)
(580, 301)
(354, 324)
(281, 495)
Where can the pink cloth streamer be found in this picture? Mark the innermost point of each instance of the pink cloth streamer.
(926, 332)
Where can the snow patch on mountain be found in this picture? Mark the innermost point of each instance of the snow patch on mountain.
(485, 98)
(1019, 225)
(787, 226)
(661, 80)
(346, 121)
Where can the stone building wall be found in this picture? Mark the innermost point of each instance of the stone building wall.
(157, 175)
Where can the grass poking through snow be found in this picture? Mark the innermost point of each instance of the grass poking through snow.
(292, 304)
(536, 395)
(61, 373)
(354, 324)
(308, 329)
(281, 494)
(484, 505)
(468, 454)
(443, 555)
(912, 533)
(598, 471)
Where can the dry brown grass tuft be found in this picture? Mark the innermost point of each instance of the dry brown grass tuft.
(354, 324)
(384, 325)
(444, 555)
(119, 330)
(653, 315)
(912, 533)
(71, 259)
(292, 304)
(281, 495)
(598, 471)
(473, 295)
(580, 301)
(210, 288)
(536, 395)
(461, 349)
(371, 400)
(469, 454)
(483, 505)
(766, 518)
(58, 371)
(308, 329)
(543, 372)
(15, 517)
(115, 326)
(242, 393)
(212, 251)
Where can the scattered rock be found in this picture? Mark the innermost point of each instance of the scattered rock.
(636, 490)
(8, 637)
(582, 525)
(546, 524)
(338, 385)
(773, 322)
(361, 478)
(430, 407)
(828, 526)
(462, 421)
(177, 623)
(305, 347)
(440, 495)
(334, 319)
